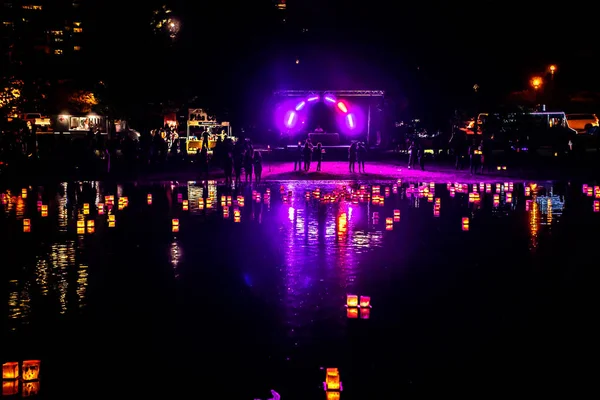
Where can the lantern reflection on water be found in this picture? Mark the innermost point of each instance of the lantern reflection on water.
(10, 370)
(465, 224)
(365, 313)
(333, 395)
(10, 388)
(31, 370)
(30, 389)
(91, 226)
(352, 313)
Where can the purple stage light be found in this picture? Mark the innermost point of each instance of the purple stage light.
(329, 99)
(290, 119)
(300, 106)
(313, 98)
(351, 121)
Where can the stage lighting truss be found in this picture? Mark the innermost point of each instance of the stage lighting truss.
(334, 93)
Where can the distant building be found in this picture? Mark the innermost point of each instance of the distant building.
(42, 30)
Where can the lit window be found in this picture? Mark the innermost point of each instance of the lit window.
(58, 52)
(77, 30)
(76, 48)
(8, 23)
(31, 7)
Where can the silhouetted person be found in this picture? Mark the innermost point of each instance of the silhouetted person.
(307, 152)
(458, 143)
(352, 157)
(228, 168)
(361, 154)
(412, 154)
(298, 157)
(248, 163)
(421, 157)
(473, 157)
(257, 166)
(484, 157)
(319, 155)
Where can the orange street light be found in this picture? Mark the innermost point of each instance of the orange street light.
(536, 82)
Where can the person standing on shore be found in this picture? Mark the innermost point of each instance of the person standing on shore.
(307, 151)
(352, 157)
(257, 166)
(298, 158)
(319, 155)
(361, 154)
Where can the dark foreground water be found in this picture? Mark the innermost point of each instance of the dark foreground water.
(231, 308)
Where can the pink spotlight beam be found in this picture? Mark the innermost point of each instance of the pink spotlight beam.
(329, 99)
(342, 107)
(300, 106)
(290, 120)
(313, 98)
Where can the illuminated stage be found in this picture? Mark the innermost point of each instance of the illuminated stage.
(332, 117)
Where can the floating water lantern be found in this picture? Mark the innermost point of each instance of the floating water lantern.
(179, 198)
(509, 197)
(376, 189)
(26, 225)
(511, 186)
(44, 210)
(226, 212)
(31, 370)
(10, 370)
(185, 206)
(584, 188)
(175, 225)
(149, 199)
(365, 301)
(351, 300)
(91, 226)
(209, 203)
(86, 209)
(596, 205)
(387, 192)
(590, 191)
(597, 192)
(527, 191)
(332, 380)
(24, 193)
(240, 201)
(395, 189)
(465, 223)
(111, 221)
(389, 221)
(396, 215)
(201, 204)
(488, 188)
(496, 201)
(452, 191)
(237, 215)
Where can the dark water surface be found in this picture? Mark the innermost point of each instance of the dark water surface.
(238, 308)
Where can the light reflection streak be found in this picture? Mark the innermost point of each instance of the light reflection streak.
(62, 257)
(82, 283)
(175, 254)
(63, 215)
(42, 275)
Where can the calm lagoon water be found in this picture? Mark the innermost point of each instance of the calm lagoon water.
(239, 306)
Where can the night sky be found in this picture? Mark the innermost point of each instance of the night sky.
(229, 52)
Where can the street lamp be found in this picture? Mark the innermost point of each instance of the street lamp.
(536, 82)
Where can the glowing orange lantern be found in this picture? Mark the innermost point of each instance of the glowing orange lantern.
(149, 199)
(101, 208)
(352, 313)
(24, 193)
(509, 197)
(175, 225)
(465, 224)
(86, 209)
(201, 204)
(10, 370)
(365, 301)
(596, 205)
(185, 205)
(351, 300)
(30, 389)
(496, 200)
(332, 379)
(111, 221)
(31, 370)
(26, 225)
(10, 388)
(389, 221)
(44, 210)
(590, 191)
